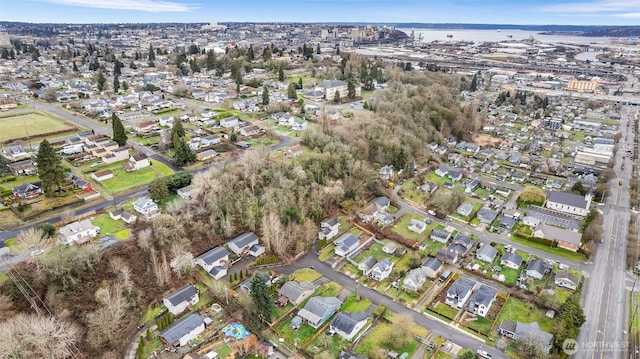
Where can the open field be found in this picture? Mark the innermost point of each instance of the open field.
(376, 340)
(516, 310)
(31, 124)
(123, 180)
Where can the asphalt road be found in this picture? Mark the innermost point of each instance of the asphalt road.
(605, 294)
(436, 327)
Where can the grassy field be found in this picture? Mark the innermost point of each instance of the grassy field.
(574, 256)
(335, 345)
(375, 340)
(30, 124)
(412, 193)
(123, 180)
(634, 318)
(18, 181)
(301, 335)
(516, 310)
(326, 253)
(445, 310)
(375, 250)
(108, 225)
(510, 275)
(9, 220)
(278, 312)
(352, 305)
(328, 290)
(482, 325)
(305, 275)
(401, 227)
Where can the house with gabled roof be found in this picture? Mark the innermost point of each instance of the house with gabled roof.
(382, 270)
(459, 292)
(465, 209)
(537, 268)
(347, 325)
(296, 292)
(146, 206)
(417, 226)
(481, 300)
(366, 265)
(214, 262)
(529, 332)
(569, 203)
(27, 190)
(77, 232)
(318, 310)
(182, 332)
(246, 243)
(567, 239)
(329, 228)
(566, 279)
(440, 235)
(346, 244)
(486, 215)
(431, 267)
(447, 256)
(385, 173)
(511, 260)
(183, 298)
(486, 253)
(414, 280)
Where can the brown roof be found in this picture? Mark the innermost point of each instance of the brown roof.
(103, 173)
(508, 326)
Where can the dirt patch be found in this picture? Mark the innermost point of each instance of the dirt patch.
(484, 140)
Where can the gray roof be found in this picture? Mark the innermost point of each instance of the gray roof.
(450, 255)
(183, 294)
(463, 239)
(346, 321)
(533, 330)
(330, 222)
(461, 287)
(569, 199)
(347, 240)
(432, 263)
(383, 265)
(381, 201)
(457, 247)
(244, 239)
(317, 307)
(181, 328)
(486, 215)
(142, 201)
(483, 295)
(214, 255)
(537, 265)
(512, 257)
(487, 250)
(416, 275)
(293, 289)
(332, 83)
(565, 275)
(369, 262)
(350, 355)
(440, 233)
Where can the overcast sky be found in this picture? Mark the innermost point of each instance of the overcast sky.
(563, 12)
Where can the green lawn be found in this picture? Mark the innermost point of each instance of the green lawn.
(441, 355)
(403, 263)
(327, 290)
(31, 124)
(634, 317)
(3, 277)
(510, 275)
(349, 269)
(326, 253)
(574, 256)
(123, 180)
(277, 312)
(375, 340)
(108, 225)
(146, 141)
(155, 345)
(480, 324)
(411, 192)
(352, 305)
(18, 181)
(152, 312)
(375, 250)
(302, 334)
(223, 351)
(432, 246)
(516, 310)
(305, 275)
(334, 345)
(262, 141)
(445, 310)
(401, 227)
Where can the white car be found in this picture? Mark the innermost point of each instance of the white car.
(483, 354)
(36, 252)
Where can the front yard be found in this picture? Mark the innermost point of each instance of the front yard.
(352, 305)
(375, 250)
(376, 340)
(401, 227)
(305, 275)
(516, 310)
(123, 180)
(445, 310)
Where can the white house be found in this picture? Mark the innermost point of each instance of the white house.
(414, 280)
(214, 262)
(229, 122)
(417, 226)
(482, 299)
(183, 331)
(459, 292)
(146, 206)
(210, 140)
(178, 301)
(569, 203)
(77, 232)
(136, 162)
(567, 280)
(247, 243)
(382, 270)
(347, 325)
(329, 228)
(346, 244)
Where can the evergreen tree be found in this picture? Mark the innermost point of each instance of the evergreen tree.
(177, 131)
(4, 169)
(266, 53)
(195, 66)
(318, 49)
(211, 60)
(351, 89)
(265, 95)
(100, 80)
(116, 83)
(125, 86)
(119, 134)
(474, 83)
(183, 154)
(152, 55)
(291, 91)
(50, 168)
(159, 189)
(75, 67)
(281, 73)
(250, 54)
(261, 300)
(336, 96)
(300, 83)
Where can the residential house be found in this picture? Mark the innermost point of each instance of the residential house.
(347, 325)
(250, 130)
(459, 292)
(486, 215)
(431, 267)
(414, 280)
(465, 209)
(454, 175)
(417, 226)
(537, 268)
(79, 183)
(568, 239)
(429, 187)
(210, 140)
(318, 310)
(382, 203)
(481, 300)
(442, 171)
(346, 244)
(77, 232)
(299, 125)
(329, 228)
(247, 243)
(447, 256)
(503, 191)
(146, 206)
(214, 262)
(296, 292)
(294, 151)
(389, 248)
(229, 122)
(206, 155)
(511, 260)
(102, 175)
(530, 221)
(186, 192)
(569, 203)
(25, 167)
(178, 301)
(15, 153)
(125, 216)
(27, 190)
(166, 121)
(382, 270)
(385, 173)
(136, 162)
(366, 265)
(507, 223)
(330, 87)
(440, 235)
(350, 355)
(529, 332)
(567, 280)
(461, 243)
(486, 253)
(116, 155)
(183, 331)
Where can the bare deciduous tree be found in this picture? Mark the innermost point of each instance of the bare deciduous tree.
(32, 336)
(32, 239)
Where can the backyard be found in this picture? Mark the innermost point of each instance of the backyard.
(376, 340)
(109, 226)
(352, 305)
(516, 310)
(296, 336)
(401, 227)
(375, 250)
(123, 180)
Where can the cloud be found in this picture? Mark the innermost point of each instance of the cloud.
(595, 6)
(630, 15)
(136, 5)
